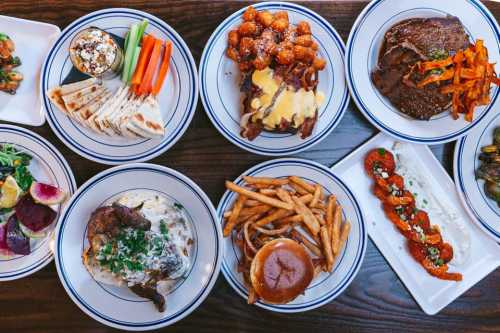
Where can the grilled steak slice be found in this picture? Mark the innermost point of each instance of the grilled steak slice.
(405, 44)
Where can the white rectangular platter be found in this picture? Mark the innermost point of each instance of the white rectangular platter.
(430, 293)
(32, 40)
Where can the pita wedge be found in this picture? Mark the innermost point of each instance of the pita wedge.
(55, 94)
(82, 97)
(147, 121)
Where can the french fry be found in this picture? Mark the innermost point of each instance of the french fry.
(252, 203)
(316, 196)
(309, 219)
(320, 219)
(327, 248)
(307, 243)
(252, 295)
(306, 199)
(278, 214)
(299, 189)
(318, 211)
(260, 186)
(346, 228)
(266, 180)
(257, 196)
(231, 222)
(337, 221)
(268, 191)
(295, 219)
(249, 211)
(272, 232)
(284, 196)
(301, 182)
(330, 208)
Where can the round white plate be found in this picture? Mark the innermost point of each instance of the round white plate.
(327, 286)
(482, 209)
(177, 99)
(220, 84)
(119, 307)
(363, 46)
(47, 166)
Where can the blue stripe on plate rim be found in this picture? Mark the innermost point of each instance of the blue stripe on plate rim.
(130, 325)
(187, 57)
(365, 110)
(235, 139)
(360, 252)
(36, 266)
(460, 183)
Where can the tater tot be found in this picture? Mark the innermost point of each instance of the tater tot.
(247, 29)
(319, 64)
(232, 54)
(233, 38)
(285, 57)
(265, 18)
(303, 53)
(249, 14)
(304, 40)
(280, 25)
(281, 15)
(246, 46)
(303, 28)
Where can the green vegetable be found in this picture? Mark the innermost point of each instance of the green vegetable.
(3, 37)
(10, 156)
(439, 54)
(23, 177)
(436, 71)
(127, 36)
(381, 151)
(129, 52)
(178, 206)
(163, 228)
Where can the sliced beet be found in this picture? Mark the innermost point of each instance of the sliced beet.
(3, 236)
(32, 215)
(16, 240)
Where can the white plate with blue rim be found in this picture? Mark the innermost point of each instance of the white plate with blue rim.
(220, 84)
(178, 97)
(480, 207)
(363, 47)
(326, 286)
(117, 306)
(47, 166)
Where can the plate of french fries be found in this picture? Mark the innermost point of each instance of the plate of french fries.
(298, 200)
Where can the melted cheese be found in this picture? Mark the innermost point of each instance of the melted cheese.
(291, 105)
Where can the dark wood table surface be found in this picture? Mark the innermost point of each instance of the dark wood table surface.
(376, 301)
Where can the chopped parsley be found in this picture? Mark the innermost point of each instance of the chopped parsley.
(3, 37)
(163, 228)
(381, 151)
(425, 201)
(411, 182)
(178, 206)
(130, 250)
(439, 54)
(436, 71)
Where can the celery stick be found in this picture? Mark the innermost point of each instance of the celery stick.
(129, 52)
(142, 29)
(135, 58)
(127, 36)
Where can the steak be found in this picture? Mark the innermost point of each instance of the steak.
(407, 43)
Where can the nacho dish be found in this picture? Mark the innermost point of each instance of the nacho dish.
(132, 110)
(489, 170)
(9, 78)
(429, 65)
(408, 202)
(279, 73)
(288, 231)
(26, 206)
(142, 241)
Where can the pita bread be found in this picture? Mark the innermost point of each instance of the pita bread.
(82, 97)
(148, 119)
(55, 94)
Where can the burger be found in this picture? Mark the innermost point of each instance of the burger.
(281, 270)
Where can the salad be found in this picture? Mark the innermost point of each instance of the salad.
(26, 206)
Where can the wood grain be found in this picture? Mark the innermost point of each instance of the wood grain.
(375, 302)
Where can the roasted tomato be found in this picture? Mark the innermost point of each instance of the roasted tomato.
(379, 158)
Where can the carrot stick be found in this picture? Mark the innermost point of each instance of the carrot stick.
(147, 47)
(163, 68)
(147, 80)
(142, 63)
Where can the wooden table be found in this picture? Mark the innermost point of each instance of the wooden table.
(375, 301)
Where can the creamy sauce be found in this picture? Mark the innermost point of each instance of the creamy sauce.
(440, 212)
(159, 210)
(292, 105)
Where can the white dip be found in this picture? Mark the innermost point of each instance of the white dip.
(440, 212)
